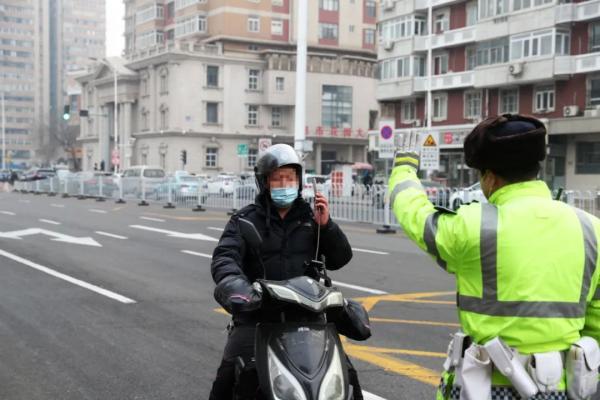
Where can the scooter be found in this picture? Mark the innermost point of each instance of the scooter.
(300, 356)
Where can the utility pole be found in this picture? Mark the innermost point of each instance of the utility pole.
(3, 133)
(116, 118)
(301, 55)
(429, 63)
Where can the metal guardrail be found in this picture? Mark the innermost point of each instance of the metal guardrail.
(356, 203)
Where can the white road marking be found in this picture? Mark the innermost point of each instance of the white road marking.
(49, 221)
(7, 213)
(371, 396)
(85, 285)
(94, 210)
(194, 253)
(370, 251)
(153, 219)
(57, 205)
(58, 237)
(112, 235)
(214, 228)
(180, 235)
(359, 288)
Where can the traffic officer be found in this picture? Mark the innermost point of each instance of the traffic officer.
(525, 265)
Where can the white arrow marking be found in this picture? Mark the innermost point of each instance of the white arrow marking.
(153, 219)
(58, 237)
(49, 221)
(7, 213)
(95, 210)
(111, 235)
(89, 286)
(180, 235)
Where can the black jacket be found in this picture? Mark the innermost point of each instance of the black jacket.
(288, 244)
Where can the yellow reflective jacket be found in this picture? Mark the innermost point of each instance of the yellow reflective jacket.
(525, 264)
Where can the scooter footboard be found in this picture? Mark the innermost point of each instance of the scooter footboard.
(301, 361)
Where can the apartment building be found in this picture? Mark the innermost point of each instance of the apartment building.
(537, 57)
(214, 74)
(41, 42)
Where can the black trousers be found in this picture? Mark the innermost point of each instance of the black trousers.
(240, 343)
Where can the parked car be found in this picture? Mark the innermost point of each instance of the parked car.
(142, 178)
(222, 185)
(182, 186)
(467, 195)
(37, 174)
(5, 175)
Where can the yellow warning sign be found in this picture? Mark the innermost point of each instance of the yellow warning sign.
(430, 142)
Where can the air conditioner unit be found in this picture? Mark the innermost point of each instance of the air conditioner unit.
(418, 123)
(388, 45)
(388, 4)
(515, 69)
(570, 111)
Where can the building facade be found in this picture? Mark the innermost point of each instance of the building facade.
(489, 57)
(213, 75)
(41, 42)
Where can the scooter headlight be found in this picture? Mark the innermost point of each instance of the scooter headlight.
(285, 386)
(332, 387)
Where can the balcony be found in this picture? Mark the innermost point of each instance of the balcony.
(447, 81)
(578, 12)
(393, 90)
(568, 65)
(523, 71)
(451, 38)
(398, 48)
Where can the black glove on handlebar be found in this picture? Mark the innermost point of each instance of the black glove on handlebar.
(236, 295)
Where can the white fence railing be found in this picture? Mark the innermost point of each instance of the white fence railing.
(357, 203)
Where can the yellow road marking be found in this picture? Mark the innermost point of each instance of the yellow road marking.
(413, 322)
(420, 297)
(221, 311)
(383, 350)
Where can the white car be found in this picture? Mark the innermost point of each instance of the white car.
(222, 185)
(467, 195)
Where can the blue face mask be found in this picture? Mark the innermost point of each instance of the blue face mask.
(284, 197)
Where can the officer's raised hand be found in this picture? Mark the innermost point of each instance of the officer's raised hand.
(321, 209)
(407, 153)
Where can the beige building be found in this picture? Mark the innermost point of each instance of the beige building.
(213, 75)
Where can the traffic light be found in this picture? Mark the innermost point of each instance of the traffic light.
(66, 112)
(184, 157)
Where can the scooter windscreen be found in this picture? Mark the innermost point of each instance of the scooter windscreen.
(301, 362)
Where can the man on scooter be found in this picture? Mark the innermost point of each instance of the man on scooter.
(288, 228)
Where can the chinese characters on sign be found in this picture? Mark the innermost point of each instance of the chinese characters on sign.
(430, 151)
(337, 132)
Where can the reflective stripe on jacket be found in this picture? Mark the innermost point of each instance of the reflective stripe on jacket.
(525, 265)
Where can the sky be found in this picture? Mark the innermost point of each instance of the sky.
(115, 26)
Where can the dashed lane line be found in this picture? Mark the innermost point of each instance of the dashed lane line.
(195, 253)
(214, 228)
(7, 213)
(70, 279)
(152, 219)
(359, 288)
(49, 221)
(383, 253)
(111, 235)
(95, 210)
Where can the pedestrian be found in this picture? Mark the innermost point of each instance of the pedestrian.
(525, 266)
(288, 228)
(13, 177)
(102, 164)
(95, 166)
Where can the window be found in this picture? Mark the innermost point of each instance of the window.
(164, 81)
(329, 5)
(328, 31)
(471, 13)
(189, 26)
(351, 28)
(594, 90)
(595, 37)
(441, 23)
(252, 115)
(276, 117)
(440, 107)
(253, 79)
(252, 156)
(409, 111)
(279, 84)
(524, 4)
(531, 44)
(276, 27)
(471, 58)
(587, 158)
(369, 36)
(403, 67)
(145, 126)
(253, 24)
(472, 105)
(440, 64)
(403, 27)
(563, 43)
(148, 39)
(419, 66)
(509, 101)
(144, 85)
(492, 8)
(212, 76)
(179, 4)
(149, 13)
(490, 52)
(211, 157)
(544, 99)
(212, 113)
(164, 117)
(371, 8)
(336, 106)
(170, 13)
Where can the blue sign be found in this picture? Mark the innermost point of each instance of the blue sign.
(386, 132)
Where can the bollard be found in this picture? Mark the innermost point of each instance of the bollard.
(143, 202)
(234, 199)
(169, 196)
(100, 190)
(199, 205)
(81, 195)
(386, 228)
(66, 192)
(120, 199)
(37, 188)
(51, 192)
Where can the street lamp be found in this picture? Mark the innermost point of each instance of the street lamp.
(116, 113)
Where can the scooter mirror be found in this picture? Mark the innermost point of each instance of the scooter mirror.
(250, 233)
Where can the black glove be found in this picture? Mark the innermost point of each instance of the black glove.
(410, 158)
(236, 295)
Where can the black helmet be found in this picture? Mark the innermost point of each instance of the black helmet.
(276, 156)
